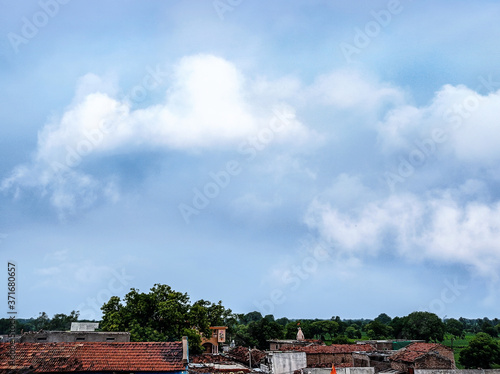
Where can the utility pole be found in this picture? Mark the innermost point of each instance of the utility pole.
(250, 357)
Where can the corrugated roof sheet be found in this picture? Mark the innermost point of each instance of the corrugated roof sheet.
(93, 356)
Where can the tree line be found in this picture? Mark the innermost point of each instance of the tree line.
(163, 314)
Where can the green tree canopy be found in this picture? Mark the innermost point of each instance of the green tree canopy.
(162, 315)
(384, 319)
(488, 328)
(481, 352)
(378, 330)
(322, 328)
(397, 324)
(454, 327)
(353, 332)
(264, 330)
(423, 325)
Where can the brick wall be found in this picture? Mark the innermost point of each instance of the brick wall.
(315, 359)
(399, 366)
(433, 361)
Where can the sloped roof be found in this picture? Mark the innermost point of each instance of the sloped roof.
(334, 348)
(416, 350)
(92, 356)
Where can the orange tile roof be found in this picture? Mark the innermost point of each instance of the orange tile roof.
(93, 356)
(416, 350)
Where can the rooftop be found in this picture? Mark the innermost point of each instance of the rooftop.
(416, 350)
(93, 356)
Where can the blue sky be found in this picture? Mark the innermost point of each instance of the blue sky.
(300, 158)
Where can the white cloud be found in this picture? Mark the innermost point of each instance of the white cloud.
(468, 120)
(208, 106)
(435, 227)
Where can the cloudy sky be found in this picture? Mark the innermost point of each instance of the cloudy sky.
(304, 158)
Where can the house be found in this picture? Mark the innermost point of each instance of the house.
(422, 356)
(94, 357)
(84, 326)
(80, 332)
(218, 335)
(336, 354)
(283, 362)
(74, 336)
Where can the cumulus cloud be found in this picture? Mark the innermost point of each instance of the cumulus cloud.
(437, 227)
(207, 106)
(467, 119)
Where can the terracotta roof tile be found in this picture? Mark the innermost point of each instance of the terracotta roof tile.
(93, 356)
(416, 350)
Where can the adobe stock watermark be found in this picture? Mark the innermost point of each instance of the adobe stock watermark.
(426, 147)
(293, 279)
(32, 25)
(220, 180)
(363, 37)
(91, 139)
(449, 294)
(224, 6)
(91, 309)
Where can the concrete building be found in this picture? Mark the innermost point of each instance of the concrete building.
(84, 326)
(284, 362)
(336, 354)
(218, 335)
(74, 336)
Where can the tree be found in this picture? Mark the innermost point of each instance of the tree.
(377, 330)
(283, 321)
(42, 322)
(481, 352)
(397, 324)
(454, 327)
(342, 324)
(162, 315)
(342, 339)
(322, 328)
(264, 330)
(62, 322)
(384, 319)
(423, 326)
(250, 317)
(242, 336)
(353, 332)
(489, 329)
